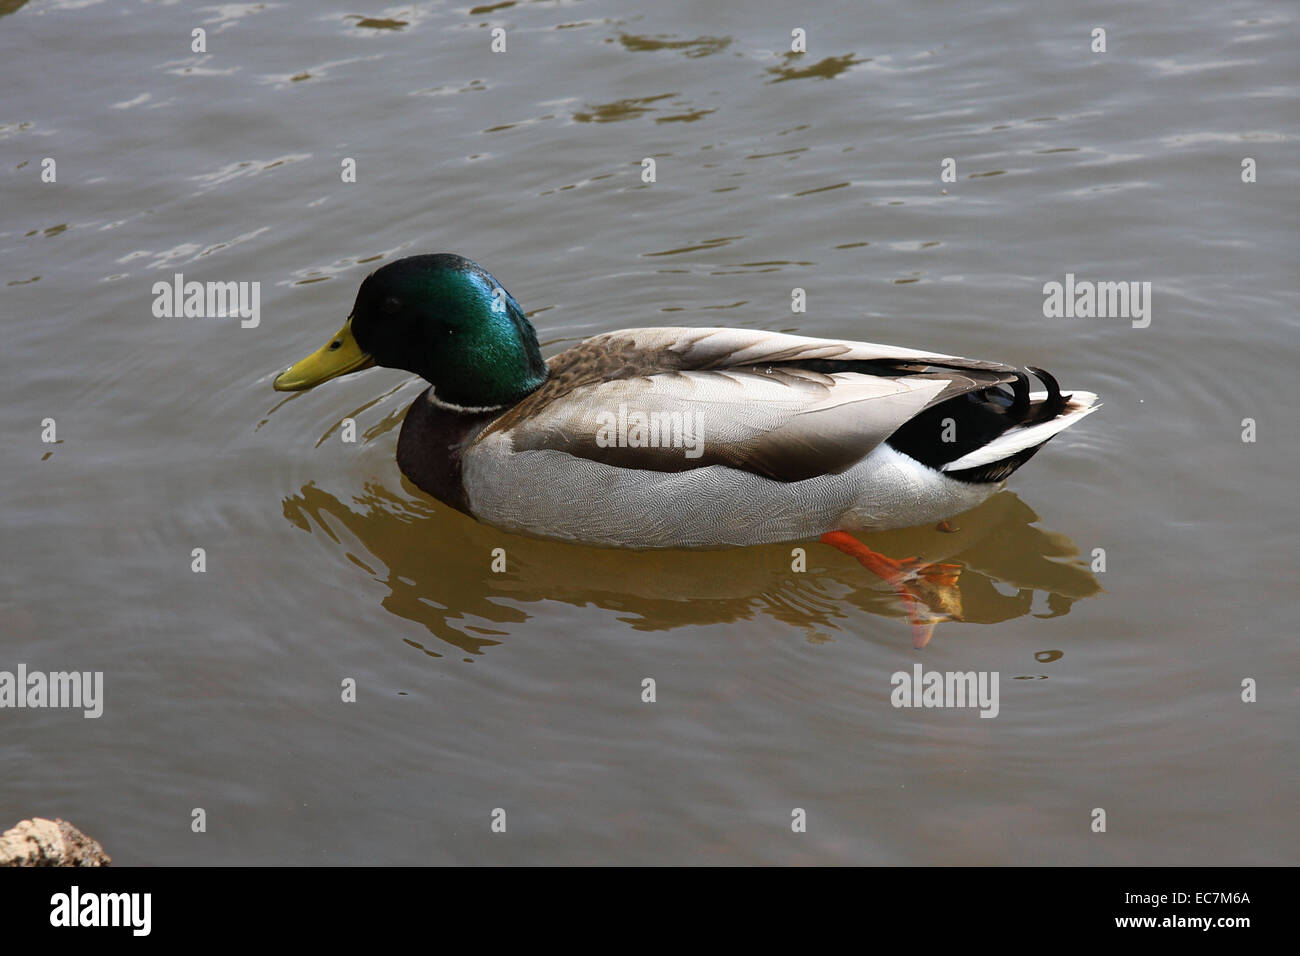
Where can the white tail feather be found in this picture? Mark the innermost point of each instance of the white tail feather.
(1079, 405)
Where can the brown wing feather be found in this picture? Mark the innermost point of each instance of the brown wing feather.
(892, 386)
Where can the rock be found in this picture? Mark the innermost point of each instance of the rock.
(41, 842)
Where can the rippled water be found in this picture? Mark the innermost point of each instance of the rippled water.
(1120, 689)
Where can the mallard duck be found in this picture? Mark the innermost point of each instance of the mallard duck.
(684, 437)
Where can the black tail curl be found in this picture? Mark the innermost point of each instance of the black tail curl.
(1055, 403)
(979, 418)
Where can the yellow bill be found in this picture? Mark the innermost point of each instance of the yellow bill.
(339, 356)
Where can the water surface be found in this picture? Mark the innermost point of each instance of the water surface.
(1120, 689)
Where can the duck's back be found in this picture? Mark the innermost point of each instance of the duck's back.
(681, 437)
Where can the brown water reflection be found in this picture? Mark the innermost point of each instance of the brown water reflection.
(619, 109)
(826, 69)
(436, 564)
(697, 47)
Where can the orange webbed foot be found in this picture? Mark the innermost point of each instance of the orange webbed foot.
(927, 591)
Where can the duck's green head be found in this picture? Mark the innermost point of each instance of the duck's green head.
(442, 317)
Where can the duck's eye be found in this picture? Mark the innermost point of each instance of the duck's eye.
(392, 304)
(336, 345)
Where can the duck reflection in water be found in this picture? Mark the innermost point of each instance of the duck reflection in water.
(1003, 567)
